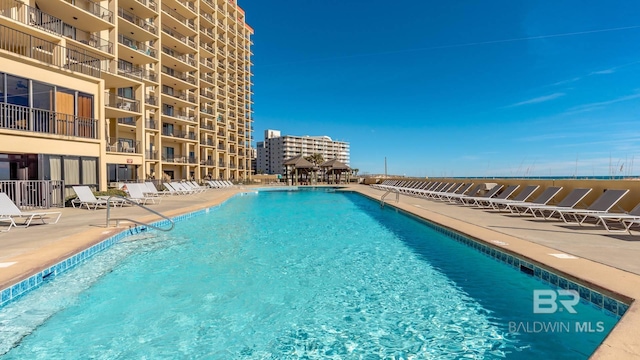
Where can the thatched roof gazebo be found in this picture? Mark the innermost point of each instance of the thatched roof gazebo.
(334, 168)
(300, 169)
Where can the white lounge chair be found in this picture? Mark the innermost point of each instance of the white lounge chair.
(7, 219)
(86, 198)
(153, 191)
(136, 193)
(9, 210)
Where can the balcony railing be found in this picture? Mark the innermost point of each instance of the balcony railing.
(125, 146)
(42, 50)
(151, 124)
(151, 154)
(182, 38)
(16, 117)
(138, 46)
(151, 100)
(207, 111)
(121, 102)
(31, 16)
(189, 59)
(174, 14)
(180, 75)
(207, 142)
(182, 115)
(149, 3)
(207, 162)
(127, 121)
(207, 94)
(94, 8)
(179, 134)
(222, 164)
(138, 21)
(135, 72)
(221, 147)
(182, 95)
(190, 5)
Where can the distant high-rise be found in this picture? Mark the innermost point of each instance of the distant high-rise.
(275, 149)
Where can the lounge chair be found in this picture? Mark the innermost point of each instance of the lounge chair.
(136, 193)
(8, 219)
(459, 191)
(9, 212)
(473, 192)
(522, 196)
(86, 198)
(473, 200)
(153, 191)
(600, 206)
(542, 199)
(626, 220)
(503, 195)
(182, 189)
(567, 203)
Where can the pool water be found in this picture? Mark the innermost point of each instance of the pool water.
(289, 275)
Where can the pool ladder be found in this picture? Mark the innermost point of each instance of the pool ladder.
(387, 193)
(117, 220)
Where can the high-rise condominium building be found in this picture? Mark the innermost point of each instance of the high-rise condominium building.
(98, 91)
(275, 149)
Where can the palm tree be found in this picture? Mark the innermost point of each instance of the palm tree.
(316, 159)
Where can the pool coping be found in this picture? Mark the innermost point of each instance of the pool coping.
(620, 343)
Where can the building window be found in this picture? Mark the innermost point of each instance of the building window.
(17, 90)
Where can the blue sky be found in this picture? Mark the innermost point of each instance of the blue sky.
(455, 88)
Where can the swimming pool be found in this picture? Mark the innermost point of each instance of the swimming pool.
(293, 275)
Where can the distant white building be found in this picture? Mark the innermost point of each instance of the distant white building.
(275, 149)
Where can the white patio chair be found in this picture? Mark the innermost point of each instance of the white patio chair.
(9, 210)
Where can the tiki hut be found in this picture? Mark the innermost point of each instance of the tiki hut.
(333, 170)
(300, 170)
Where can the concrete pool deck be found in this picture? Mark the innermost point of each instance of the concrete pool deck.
(606, 262)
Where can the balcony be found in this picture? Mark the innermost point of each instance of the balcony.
(179, 134)
(222, 164)
(207, 142)
(45, 51)
(180, 75)
(187, 59)
(206, 127)
(16, 117)
(119, 102)
(127, 121)
(188, 4)
(137, 21)
(151, 154)
(138, 46)
(151, 100)
(151, 124)
(135, 72)
(127, 146)
(207, 94)
(221, 147)
(182, 115)
(93, 8)
(176, 35)
(206, 110)
(207, 162)
(149, 3)
(182, 95)
(36, 18)
(190, 23)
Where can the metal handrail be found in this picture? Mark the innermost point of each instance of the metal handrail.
(135, 221)
(387, 193)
